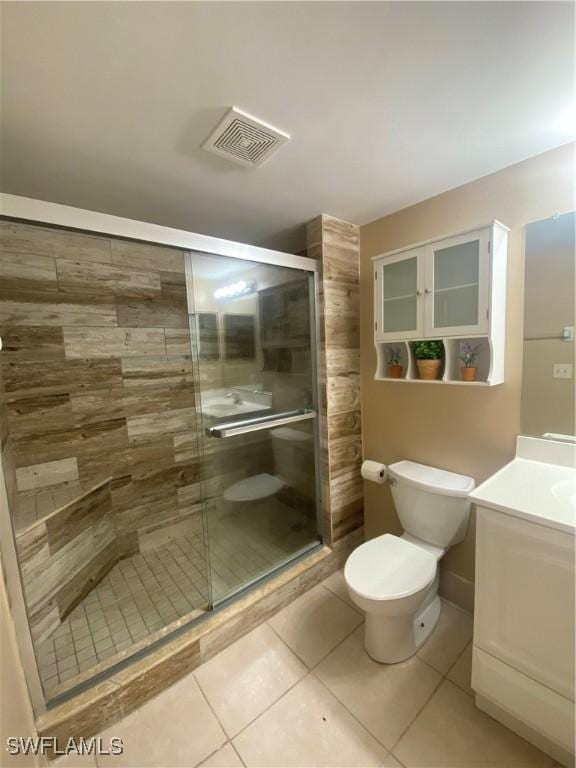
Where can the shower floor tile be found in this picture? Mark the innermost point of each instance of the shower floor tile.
(140, 595)
(144, 593)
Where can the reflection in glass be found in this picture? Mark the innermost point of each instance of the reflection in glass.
(259, 488)
(239, 337)
(207, 336)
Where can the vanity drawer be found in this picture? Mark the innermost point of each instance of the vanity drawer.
(534, 704)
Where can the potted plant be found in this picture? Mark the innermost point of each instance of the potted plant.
(468, 355)
(394, 366)
(428, 356)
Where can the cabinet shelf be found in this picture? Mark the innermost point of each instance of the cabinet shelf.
(456, 287)
(414, 300)
(400, 298)
(450, 373)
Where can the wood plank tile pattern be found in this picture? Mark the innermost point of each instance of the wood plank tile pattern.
(25, 270)
(32, 343)
(92, 277)
(98, 380)
(55, 308)
(30, 238)
(113, 342)
(49, 473)
(336, 245)
(24, 379)
(97, 371)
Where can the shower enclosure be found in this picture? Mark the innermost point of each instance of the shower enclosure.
(160, 435)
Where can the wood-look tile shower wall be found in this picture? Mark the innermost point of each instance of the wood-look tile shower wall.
(98, 385)
(336, 245)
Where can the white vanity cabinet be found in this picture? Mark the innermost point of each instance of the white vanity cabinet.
(452, 289)
(524, 618)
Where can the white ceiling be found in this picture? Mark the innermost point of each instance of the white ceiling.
(105, 105)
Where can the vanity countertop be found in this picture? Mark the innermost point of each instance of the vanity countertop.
(537, 490)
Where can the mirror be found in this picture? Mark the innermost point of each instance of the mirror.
(207, 335)
(549, 308)
(251, 329)
(239, 337)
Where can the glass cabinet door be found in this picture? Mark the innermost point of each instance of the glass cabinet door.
(457, 272)
(399, 289)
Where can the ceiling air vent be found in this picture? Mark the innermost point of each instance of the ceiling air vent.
(243, 139)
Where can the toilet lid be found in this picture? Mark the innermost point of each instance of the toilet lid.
(253, 488)
(389, 568)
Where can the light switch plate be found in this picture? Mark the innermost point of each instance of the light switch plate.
(562, 371)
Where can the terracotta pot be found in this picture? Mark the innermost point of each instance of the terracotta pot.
(429, 369)
(395, 371)
(468, 373)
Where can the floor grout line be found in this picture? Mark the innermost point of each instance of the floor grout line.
(310, 668)
(285, 693)
(332, 592)
(238, 753)
(419, 712)
(360, 723)
(309, 672)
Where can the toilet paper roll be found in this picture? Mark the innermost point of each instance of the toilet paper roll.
(374, 471)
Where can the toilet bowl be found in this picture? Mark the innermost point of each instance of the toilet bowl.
(292, 451)
(394, 579)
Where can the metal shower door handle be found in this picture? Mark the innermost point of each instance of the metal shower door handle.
(234, 428)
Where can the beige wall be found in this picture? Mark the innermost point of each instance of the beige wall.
(465, 430)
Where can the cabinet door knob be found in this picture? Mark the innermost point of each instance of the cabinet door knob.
(428, 290)
(418, 293)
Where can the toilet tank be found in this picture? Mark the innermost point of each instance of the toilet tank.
(432, 504)
(293, 451)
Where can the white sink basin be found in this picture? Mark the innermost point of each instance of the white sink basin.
(537, 490)
(221, 407)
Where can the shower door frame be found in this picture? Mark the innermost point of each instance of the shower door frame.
(42, 213)
(292, 262)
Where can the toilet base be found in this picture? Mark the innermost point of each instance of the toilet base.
(390, 639)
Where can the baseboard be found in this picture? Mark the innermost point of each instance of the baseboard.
(457, 590)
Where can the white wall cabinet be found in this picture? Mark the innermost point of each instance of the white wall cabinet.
(399, 285)
(449, 289)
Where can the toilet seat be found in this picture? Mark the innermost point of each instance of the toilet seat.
(254, 488)
(389, 568)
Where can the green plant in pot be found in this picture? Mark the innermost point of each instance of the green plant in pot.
(428, 356)
(468, 355)
(394, 362)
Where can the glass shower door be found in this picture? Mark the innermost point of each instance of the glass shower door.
(254, 349)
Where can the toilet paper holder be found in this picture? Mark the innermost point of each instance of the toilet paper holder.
(374, 471)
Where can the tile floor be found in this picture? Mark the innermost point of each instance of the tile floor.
(144, 593)
(140, 595)
(300, 690)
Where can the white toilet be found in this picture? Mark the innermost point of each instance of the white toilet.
(293, 450)
(395, 579)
